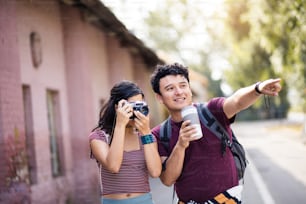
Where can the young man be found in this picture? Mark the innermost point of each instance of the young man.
(197, 168)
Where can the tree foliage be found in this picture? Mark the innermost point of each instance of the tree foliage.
(287, 40)
(260, 39)
(179, 28)
(267, 39)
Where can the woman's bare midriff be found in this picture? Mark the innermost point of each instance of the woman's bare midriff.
(122, 195)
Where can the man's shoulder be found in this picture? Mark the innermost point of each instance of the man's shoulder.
(216, 100)
(215, 103)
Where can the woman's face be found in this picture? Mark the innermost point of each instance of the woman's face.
(134, 99)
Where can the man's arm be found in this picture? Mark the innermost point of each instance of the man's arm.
(175, 161)
(174, 166)
(247, 96)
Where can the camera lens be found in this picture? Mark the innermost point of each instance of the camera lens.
(144, 110)
(140, 106)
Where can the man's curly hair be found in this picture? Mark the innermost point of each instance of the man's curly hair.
(165, 70)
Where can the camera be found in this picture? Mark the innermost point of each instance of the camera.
(140, 106)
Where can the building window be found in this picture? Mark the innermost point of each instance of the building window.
(54, 123)
(36, 49)
(29, 133)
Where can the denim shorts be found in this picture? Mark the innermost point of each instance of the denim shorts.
(142, 199)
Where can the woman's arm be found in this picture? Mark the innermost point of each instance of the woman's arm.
(111, 156)
(152, 158)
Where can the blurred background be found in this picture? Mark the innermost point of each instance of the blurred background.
(59, 59)
(232, 43)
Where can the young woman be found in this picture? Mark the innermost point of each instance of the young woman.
(124, 147)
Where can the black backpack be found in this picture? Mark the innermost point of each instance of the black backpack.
(208, 119)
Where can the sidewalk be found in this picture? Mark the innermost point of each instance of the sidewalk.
(161, 193)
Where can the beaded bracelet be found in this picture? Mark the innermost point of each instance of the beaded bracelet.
(147, 139)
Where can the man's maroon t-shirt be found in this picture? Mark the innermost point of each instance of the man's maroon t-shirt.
(206, 172)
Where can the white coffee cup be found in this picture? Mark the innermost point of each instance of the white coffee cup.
(191, 113)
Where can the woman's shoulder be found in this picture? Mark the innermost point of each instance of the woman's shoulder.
(98, 134)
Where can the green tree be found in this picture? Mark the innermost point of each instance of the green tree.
(287, 40)
(264, 42)
(179, 28)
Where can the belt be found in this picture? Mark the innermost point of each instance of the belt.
(231, 196)
(221, 200)
(230, 201)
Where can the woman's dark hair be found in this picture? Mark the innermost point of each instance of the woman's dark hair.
(165, 70)
(122, 90)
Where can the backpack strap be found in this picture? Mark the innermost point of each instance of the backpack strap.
(209, 120)
(165, 133)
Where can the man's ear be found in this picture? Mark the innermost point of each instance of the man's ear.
(159, 98)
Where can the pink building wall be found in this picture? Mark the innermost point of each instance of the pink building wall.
(12, 137)
(84, 63)
(79, 62)
(120, 61)
(45, 18)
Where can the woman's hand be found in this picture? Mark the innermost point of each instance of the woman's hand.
(124, 111)
(142, 123)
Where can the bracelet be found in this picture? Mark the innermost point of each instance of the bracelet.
(147, 139)
(257, 87)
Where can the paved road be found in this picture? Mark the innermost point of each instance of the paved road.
(276, 173)
(277, 169)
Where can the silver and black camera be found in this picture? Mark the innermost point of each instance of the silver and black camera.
(140, 106)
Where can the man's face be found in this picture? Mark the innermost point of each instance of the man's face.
(175, 92)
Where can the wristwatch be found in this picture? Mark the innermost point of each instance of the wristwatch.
(257, 87)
